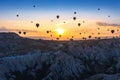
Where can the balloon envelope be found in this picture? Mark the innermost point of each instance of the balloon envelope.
(37, 25)
(112, 31)
(74, 18)
(57, 16)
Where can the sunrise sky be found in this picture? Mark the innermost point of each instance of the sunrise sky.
(45, 12)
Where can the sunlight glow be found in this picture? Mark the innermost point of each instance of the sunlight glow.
(60, 31)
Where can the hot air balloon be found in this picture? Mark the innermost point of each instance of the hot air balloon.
(80, 33)
(17, 15)
(98, 9)
(98, 28)
(64, 22)
(72, 36)
(57, 38)
(71, 39)
(74, 18)
(34, 6)
(83, 21)
(99, 37)
(24, 33)
(98, 33)
(57, 16)
(89, 36)
(47, 31)
(79, 24)
(60, 35)
(83, 38)
(37, 25)
(95, 37)
(112, 31)
(19, 32)
(108, 15)
(51, 35)
(51, 20)
(75, 12)
(117, 29)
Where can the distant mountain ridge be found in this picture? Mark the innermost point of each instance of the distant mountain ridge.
(11, 43)
(9, 35)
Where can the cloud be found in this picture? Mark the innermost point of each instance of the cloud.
(107, 24)
(24, 30)
(4, 29)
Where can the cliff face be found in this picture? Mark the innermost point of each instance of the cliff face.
(8, 41)
(9, 36)
(74, 60)
(12, 43)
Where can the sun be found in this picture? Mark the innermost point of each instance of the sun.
(60, 31)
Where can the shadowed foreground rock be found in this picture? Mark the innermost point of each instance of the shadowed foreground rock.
(76, 60)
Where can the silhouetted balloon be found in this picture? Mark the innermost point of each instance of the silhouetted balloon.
(79, 24)
(51, 35)
(74, 18)
(60, 35)
(112, 31)
(34, 6)
(24, 33)
(84, 38)
(57, 38)
(89, 37)
(17, 15)
(51, 20)
(117, 29)
(64, 22)
(47, 31)
(71, 39)
(37, 25)
(98, 33)
(108, 15)
(99, 37)
(19, 32)
(75, 12)
(72, 36)
(98, 28)
(95, 37)
(98, 9)
(80, 33)
(83, 21)
(57, 16)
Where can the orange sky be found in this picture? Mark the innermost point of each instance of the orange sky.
(95, 13)
(70, 28)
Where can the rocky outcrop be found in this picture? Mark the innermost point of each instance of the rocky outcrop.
(12, 43)
(71, 60)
